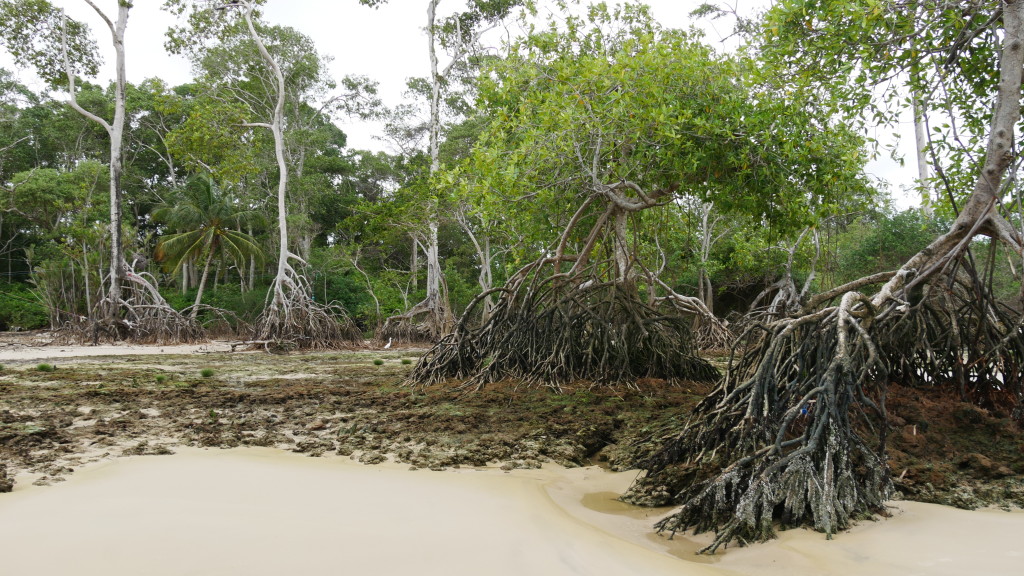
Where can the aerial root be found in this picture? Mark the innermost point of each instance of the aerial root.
(796, 434)
(552, 329)
(293, 320)
(142, 316)
(435, 321)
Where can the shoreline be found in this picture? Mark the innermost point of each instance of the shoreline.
(264, 511)
(103, 407)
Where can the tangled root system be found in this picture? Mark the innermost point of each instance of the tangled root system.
(550, 329)
(796, 434)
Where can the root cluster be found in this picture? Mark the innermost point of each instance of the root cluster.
(293, 320)
(142, 315)
(435, 320)
(551, 329)
(796, 433)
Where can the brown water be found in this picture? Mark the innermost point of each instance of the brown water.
(261, 511)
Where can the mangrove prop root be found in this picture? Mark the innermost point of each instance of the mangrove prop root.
(293, 320)
(551, 329)
(796, 433)
(435, 321)
(142, 316)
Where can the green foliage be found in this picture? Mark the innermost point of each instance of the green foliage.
(378, 362)
(21, 309)
(208, 373)
(206, 219)
(944, 53)
(45, 367)
(614, 97)
(881, 242)
(214, 138)
(60, 201)
(1004, 267)
(230, 297)
(31, 30)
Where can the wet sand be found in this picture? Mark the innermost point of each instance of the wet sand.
(264, 511)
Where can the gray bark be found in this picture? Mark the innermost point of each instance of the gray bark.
(115, 130)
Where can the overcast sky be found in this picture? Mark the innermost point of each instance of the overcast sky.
(386, 44)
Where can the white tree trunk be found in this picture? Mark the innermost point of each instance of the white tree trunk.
(115, 130)
(282, 279)
(414, 264)
(921, 144)
(433, 269)
(433, 260)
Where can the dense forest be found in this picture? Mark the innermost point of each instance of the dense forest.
(598, 197)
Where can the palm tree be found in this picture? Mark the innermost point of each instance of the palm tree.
(207, 223)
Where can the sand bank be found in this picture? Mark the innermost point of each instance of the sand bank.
(262, 511)
(22, 351)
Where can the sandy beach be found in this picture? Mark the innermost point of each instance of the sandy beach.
(24, 349)
(263, 511)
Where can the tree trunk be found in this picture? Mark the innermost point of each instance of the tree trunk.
(921, 145)
(433, 266)
(115, 131)
(621, 247)
(202, 285)
(414, 264)
(435, 304)
(291, 314)
(281, 279)
(433, 261)
(116, 144)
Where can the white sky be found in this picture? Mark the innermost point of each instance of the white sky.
(386, 44)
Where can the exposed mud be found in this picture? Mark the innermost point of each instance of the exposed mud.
(92, 408)
(945, 451)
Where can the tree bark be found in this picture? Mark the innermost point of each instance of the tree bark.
(115, 130)
(202, 285)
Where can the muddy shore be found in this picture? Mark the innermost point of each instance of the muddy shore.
(62, 407)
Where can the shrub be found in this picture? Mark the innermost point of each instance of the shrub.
(19, 308)
(206, 372)
(883, 242)
(46, 367)
(378, 362)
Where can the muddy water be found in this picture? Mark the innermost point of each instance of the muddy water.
(260, 511)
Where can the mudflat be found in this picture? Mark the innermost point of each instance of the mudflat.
(331, 443)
